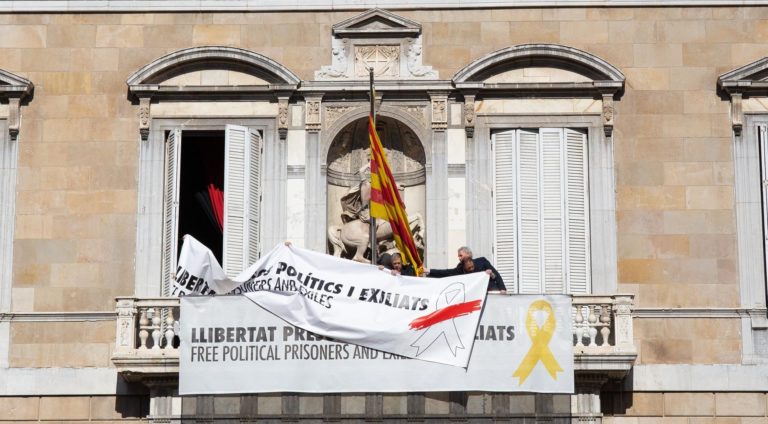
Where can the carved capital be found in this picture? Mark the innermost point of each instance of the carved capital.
(439, 111)
(312, 114)
(144, 115)
(282, 117)
(14, 117)
(608, 114)
(737, 115)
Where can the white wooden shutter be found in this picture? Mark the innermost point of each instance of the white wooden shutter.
(171, 208)
(529, 200)
(242, 174)
(762, 137)
(505, 207)
(577, 207)
(552, 211)
(253, 212)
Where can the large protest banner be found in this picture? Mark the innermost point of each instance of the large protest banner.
(429, 319)
(229, 345)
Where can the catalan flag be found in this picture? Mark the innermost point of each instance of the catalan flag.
(386, 202)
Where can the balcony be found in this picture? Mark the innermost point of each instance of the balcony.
(146, 346)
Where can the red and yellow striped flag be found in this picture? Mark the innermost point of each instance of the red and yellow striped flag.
(386, 202)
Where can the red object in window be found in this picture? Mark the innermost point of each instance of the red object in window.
(217, 204)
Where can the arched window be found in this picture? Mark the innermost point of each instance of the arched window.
(208, 117)
(540, 118)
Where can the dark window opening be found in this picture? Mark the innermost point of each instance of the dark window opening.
(201, 188)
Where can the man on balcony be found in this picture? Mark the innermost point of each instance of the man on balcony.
(466, 265)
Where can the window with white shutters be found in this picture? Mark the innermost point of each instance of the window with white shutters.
(540, 210)
(762, 138)
(240, 233)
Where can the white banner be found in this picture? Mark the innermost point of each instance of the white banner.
(229, 345)
(429, 319)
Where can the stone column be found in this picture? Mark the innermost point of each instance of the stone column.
(478, 181)
(315, 221)
(437, 183)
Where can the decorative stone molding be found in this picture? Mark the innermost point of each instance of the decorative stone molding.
(333, 113)
(413, 57)
(737, 114)
(418, 112)
(144, 114)
(439, 111)
(338, 67)
(749, 80)
(608, 114)
(469, 115)
(14, 89)
(603, 74)
(312, 114)
(377, 39)
(161, 68)
(144, 84)
(14, 117)
(384, 59)
(282, 117)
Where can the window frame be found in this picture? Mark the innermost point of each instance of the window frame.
(563, 219)
(151, 175)
(601, 188)
(751, 209)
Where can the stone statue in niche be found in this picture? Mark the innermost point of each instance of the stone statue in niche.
(413, 61)
(353, 236)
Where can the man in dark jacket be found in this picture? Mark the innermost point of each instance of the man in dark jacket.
(468, 264)
(396, 266)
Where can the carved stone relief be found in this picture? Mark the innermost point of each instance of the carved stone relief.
(608, 113)
(418, 112)
(282, 117)
(384, 59)
(339, 60)
(144, 117)
(439, 113)
(312, 117)
(333, 113)
(413, 60)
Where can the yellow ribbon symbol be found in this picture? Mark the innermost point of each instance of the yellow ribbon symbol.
(540, 336)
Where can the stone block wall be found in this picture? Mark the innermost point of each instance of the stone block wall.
(76, 203)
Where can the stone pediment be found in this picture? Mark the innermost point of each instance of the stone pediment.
(377, 23)
(753, 76)
(10, 83)
(389, 44)
(747, 81)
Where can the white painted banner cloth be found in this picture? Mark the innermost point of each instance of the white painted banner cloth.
(273, 356)
(433, 319)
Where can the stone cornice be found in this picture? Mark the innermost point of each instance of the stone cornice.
(58, 316)
(329, 5)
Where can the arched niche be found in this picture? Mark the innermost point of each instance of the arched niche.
(348, 153)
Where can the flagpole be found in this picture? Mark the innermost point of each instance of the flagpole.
(374, 250)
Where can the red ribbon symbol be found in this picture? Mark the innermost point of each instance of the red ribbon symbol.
(439, 324)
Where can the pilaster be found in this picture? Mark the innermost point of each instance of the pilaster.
(315, 221)
(437, 181)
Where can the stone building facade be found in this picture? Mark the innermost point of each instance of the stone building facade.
(648, 122)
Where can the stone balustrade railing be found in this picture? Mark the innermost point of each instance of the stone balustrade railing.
(147, 330)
